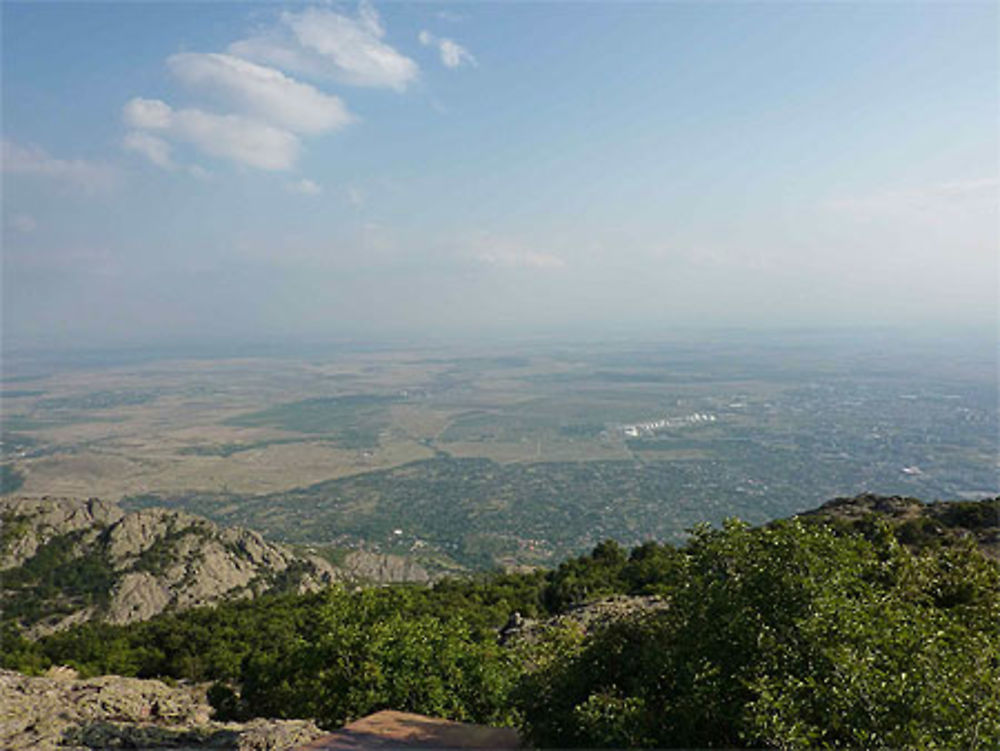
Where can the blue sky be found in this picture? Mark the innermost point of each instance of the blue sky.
(212, 170)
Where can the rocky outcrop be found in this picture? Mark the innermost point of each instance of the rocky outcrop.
(60, 711)
(584, 619)
(383, 568)
(138, 596)
(136, 564)
(918, 524)
(25, 524)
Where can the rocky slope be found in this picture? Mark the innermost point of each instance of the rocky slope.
(63, 561)
(916, 523)
(583, 619)
(61, 711)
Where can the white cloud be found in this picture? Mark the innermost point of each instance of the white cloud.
(264, 108)
(453, 55)
(147, 113)
(157, 150)
(34, 161)
(154, 148)
(305, 186)
(262, 92)
(233, 137)
(23, 223)
(322, 43)
(506, 253)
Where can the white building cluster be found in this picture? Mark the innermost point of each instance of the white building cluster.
(638, 429)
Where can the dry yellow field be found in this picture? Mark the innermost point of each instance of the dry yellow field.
(173, 426)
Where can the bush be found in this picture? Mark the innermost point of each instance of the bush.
(365, 657)
(790, 637)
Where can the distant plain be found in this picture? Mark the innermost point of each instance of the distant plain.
(510, 455)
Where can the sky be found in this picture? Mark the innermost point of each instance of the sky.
(219, 171)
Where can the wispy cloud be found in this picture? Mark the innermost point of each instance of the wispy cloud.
(240, 139)
(322, 43)
(263, 109)
(304, 187)
(154, 148)
(34, 161)
(502, 252)
(261, 92)
(453, 55)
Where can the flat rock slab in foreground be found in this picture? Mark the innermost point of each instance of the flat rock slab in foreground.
(60, 712)
(389, 729)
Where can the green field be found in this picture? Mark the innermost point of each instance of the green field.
(355, 421)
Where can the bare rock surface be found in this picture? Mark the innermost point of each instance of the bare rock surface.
(584, 619)
(139, 596)
(46, 518)
(61, 711)
(385, 568)
(140, 564)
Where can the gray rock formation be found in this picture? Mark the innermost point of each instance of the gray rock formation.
(583, 619)
(45, 519)
(140, 563)
(60, 711)
(383, 568)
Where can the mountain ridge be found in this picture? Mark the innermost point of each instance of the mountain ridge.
(65, 561)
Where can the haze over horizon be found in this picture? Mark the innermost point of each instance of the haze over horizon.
(178, 172)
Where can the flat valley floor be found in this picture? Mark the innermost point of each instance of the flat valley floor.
(511, 455)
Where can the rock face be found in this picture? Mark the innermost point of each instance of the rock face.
(64, 712)
(65, 560)
(44, 519)
(383, 568)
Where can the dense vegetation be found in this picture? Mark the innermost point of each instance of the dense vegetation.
(798, 634)
(478, 511)
(790, 637)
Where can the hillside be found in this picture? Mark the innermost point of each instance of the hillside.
(838, 628)
(916, 523)
(66, 561)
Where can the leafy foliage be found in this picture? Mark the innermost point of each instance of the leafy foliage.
(794, 635)
(367, 654)
(791, 637)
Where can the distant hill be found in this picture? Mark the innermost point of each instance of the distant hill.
(66, 561)
(916, 523)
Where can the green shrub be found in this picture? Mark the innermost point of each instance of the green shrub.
(790, 637)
